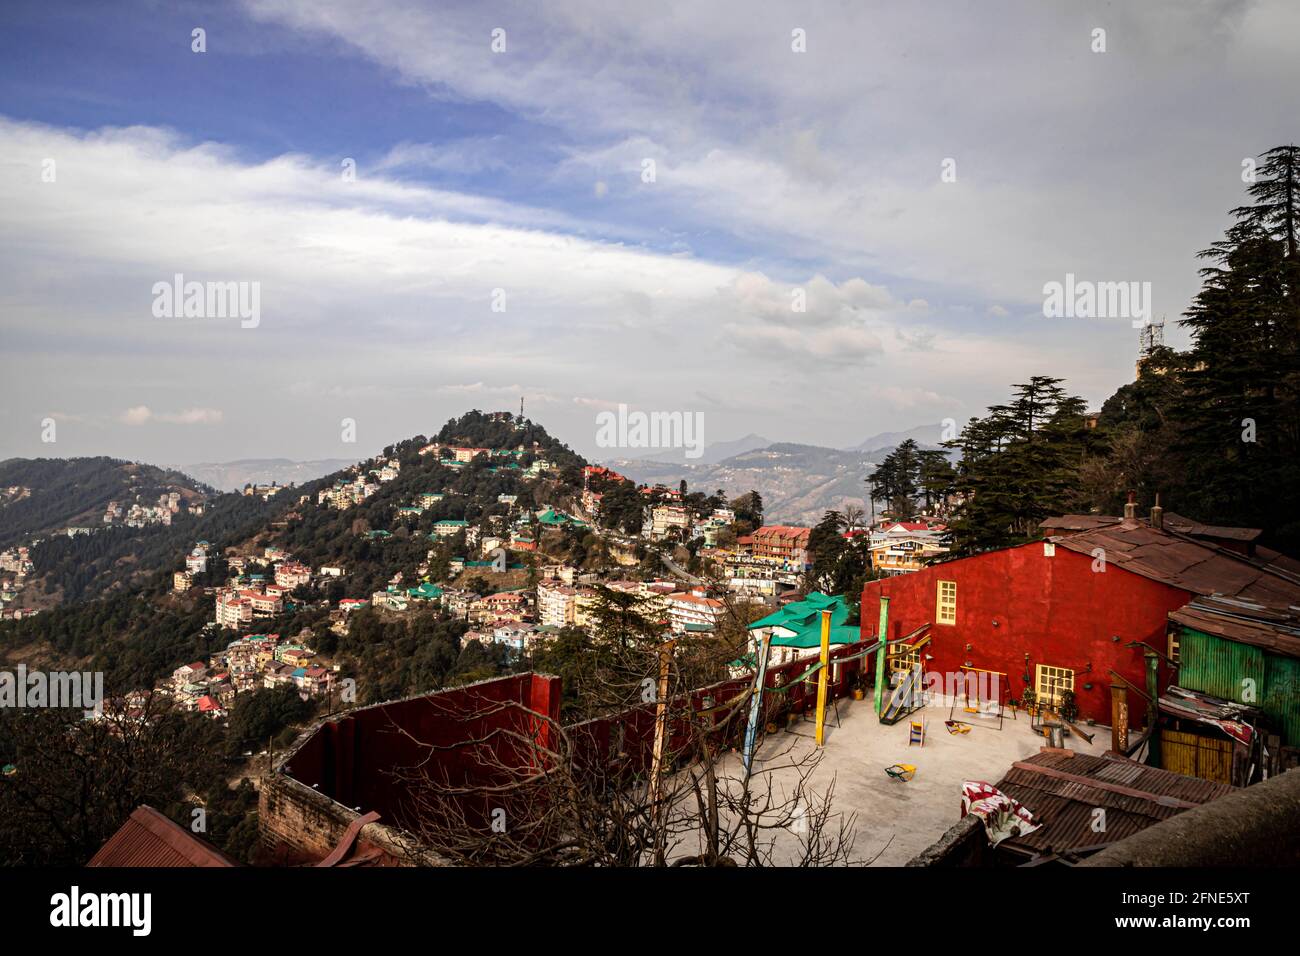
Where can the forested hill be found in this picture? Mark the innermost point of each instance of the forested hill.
(499, 430)
(318, 534)
(113, 586)
(47, 494)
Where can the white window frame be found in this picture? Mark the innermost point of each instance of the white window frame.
(1043, 675)
(940, 605)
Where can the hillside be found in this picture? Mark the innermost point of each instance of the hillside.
(74, 492)
(798, 483)
(110, 600)
(713, 452)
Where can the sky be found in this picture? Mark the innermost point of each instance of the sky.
(810, 221)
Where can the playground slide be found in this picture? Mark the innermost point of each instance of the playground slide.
(904, 698)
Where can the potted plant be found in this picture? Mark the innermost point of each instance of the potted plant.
(1029, 701)
(1069, 709)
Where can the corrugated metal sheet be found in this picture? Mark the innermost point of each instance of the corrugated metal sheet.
(1218, 667)
(1270, 629)
(1282, 697)
(148, 838)
(1209, 758)
(1186, 563)
(1066, 808)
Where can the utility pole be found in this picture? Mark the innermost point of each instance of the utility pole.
(661, 719)
(823, 678)
(661, 733)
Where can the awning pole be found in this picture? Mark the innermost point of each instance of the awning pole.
(880, 654)
(756, 704)
(822, 678)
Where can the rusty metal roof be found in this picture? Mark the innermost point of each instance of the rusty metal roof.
(1171, 520)
(1273, 629)
(1063, 791)
(148, 838)
(1183, 562)
(1176, 522)
(1077, 522)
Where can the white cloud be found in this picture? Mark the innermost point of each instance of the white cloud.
(818, 171)
(143, 415)
(838, 150)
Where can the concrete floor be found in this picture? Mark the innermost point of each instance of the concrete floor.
(898, 819)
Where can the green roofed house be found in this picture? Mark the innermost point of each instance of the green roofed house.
(425, 592)
(556, 519)
(796, 628)
(410, 510)
(379, 534)
(448, 527)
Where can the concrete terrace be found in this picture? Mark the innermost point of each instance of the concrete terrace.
(902, 818)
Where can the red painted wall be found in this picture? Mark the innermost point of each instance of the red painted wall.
(352, 758)
(594, 740)
(1057, 609)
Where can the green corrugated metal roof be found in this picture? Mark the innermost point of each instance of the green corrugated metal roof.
(1220, 667)
(803, 619)
(799, 614)
(811, 636)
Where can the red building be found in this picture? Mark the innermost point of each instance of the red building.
(1061, 613)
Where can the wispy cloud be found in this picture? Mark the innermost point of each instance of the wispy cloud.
(143, 415)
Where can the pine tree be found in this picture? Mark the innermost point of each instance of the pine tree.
(1019, 465)
(1238, 433)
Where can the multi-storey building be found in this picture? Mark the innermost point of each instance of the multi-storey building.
(786, 544)
(663, 520)
(689, 611)
(290, 574)
(556, 605)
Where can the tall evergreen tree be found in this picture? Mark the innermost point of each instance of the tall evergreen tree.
(1019, 464)
(1238, 434)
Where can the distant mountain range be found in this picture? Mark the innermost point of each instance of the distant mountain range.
(234, 475)
(798, 483)
(714, 453)
(927, 436)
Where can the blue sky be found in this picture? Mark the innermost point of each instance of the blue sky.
(778, 174)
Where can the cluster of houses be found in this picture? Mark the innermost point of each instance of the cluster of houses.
(248, 597)
(16, 563)
(196, 562)
(772, 560)
(137, 515)
(362, 481)
(249, 663)
(265, 492)
(500, 459)
(561, 604)
(17, 560)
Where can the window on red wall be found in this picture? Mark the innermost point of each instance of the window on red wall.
(945, 609)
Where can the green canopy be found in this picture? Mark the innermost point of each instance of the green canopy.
(803, 619)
